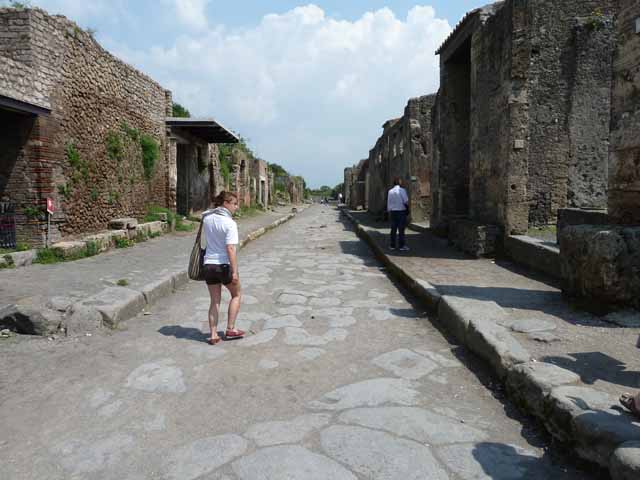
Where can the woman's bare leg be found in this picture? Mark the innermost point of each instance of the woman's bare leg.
(215, 292)
(234, 304)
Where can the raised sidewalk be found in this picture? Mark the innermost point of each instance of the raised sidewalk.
(80, 296)
(563, 365)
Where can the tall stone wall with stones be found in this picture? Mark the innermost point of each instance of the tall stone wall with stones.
(404, 150)
(624, 159)
(91, 155)
(568, 76)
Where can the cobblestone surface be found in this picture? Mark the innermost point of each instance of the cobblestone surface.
(381, 396)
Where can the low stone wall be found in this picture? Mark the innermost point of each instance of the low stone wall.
(602, 263)
(533, 253)
(474, 238)
(579, 216)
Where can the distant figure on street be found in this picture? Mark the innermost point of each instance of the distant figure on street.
(398, 207)
(221, 263)
(339, 198)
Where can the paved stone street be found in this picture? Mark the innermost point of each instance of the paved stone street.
(340, 378)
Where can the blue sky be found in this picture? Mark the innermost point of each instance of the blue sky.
(308, 84)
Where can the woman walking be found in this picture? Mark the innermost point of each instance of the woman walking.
(221, 263)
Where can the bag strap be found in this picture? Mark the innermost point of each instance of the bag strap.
(199, 236)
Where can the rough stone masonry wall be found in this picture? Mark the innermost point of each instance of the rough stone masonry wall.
(624, 160)
(567, 83)
(92, 94)
(380, 160)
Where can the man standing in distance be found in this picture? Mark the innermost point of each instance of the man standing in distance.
(398, 206)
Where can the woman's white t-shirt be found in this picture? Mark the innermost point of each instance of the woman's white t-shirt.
(219, 231)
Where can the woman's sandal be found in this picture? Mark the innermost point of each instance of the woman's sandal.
(213, 341)
(628, 401)
(233, 333)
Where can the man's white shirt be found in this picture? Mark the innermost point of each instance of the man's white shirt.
(397, 199)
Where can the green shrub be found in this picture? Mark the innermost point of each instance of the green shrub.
(91, 248)
(180, 111)
(183, 227)
(94, 194)
(123, 242)
(22, 247)
(48, 255)
(8, 262)
(32, 212)
(115, 147)
(132, 133)
(141, 236)
(65, 189)
(73, 156)
(123, 282)
(150, 154)
(154, 210)
(154, 234)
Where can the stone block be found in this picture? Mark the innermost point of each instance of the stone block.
(125, 223)
(579, 216)
(599, 433)
(476, 239)
(116, 304)
(22, 259)
(533, 253)
(69, 249)
(601, 263)
(103, 241)
(30, 320)
(529, 383)
(625, 461)
(180, 279)
(565, 403)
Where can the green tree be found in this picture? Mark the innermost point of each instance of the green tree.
(180, 111)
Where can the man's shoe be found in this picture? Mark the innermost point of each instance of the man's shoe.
(404, 249)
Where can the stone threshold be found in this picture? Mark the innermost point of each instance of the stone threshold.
(534, 253)
(579, 416)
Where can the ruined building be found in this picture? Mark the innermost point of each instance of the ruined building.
(521, 121)
(355, 185)
(404, 150)
(602, 261)
(89, 132)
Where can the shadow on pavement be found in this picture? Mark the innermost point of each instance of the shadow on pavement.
(594, 366)
(184, 333)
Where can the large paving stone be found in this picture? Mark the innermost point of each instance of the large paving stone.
(493, 461)
(202, 456)
(116, 304)
(160, 376)
(371, 392)
(291, 299)
(405, 363)
(89, 456)
(283, 321)
(290, 463)
(378, 455)
(529, 383)
(299, 336)
(292, 431)
(625, 461)
(599, 433)
(414, 423)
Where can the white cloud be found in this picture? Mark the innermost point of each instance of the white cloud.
(297, 82)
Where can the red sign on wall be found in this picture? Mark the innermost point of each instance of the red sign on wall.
(50, 207)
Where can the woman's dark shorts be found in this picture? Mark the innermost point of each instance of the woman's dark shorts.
(215, 274)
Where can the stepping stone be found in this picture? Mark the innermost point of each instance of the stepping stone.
(290, 299)
(292, 431)
(311, 353)
(405, 363)
(369, 393)
(378, 455)
(414, 423)
(290, 463)
(202, 456)
(259, 338)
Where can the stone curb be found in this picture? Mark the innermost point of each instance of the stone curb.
(579, 416)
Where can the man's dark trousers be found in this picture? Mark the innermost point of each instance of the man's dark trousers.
(398, 224)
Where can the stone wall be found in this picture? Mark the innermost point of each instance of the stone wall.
(89, 150)
(624, 159)
(404, 151)
(521, 114)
